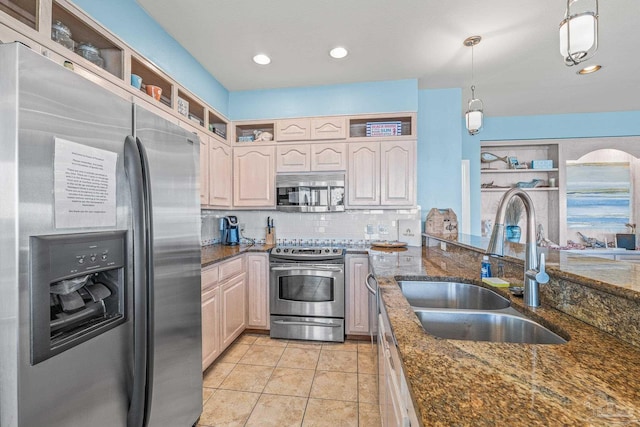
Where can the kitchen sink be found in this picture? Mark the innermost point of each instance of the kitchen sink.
(424, 294)
(485, 326)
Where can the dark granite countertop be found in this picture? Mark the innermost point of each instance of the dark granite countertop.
(216, 253)
(590, 380)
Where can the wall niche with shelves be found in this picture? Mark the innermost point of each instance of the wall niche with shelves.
(81, 33)
(541, 184)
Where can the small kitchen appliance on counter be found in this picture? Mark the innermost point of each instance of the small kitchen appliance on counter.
(229, 232)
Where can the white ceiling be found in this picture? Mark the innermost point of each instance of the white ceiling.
(518, 67)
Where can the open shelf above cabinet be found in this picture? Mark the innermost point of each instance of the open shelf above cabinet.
(83, 34)
(245, 133)
(217, 125)
(190, 108)
(391, 126)
(150, 76)
(24, 11)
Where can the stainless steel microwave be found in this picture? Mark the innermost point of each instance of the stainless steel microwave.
(310, 193)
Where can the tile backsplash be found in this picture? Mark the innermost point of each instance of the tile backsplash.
(350, 227)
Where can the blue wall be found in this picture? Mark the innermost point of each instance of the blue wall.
(626, 123)
(355, 98)
(131, 23)
(439, 150)
(442, 138)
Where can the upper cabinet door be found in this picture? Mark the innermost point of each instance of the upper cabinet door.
(364, 174)
(329, 157)
(329, 128)
(254, 176)
(204, 171)
(293, 130)
(397, 173)
(293, 158)
(220, 177)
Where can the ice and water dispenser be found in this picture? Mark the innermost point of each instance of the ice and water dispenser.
(77, 289)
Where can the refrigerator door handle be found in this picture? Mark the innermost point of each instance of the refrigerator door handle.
(135, 161)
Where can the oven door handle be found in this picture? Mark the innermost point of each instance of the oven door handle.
(299, 323)
(307, 267)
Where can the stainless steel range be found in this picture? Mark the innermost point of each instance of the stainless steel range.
(306, 293)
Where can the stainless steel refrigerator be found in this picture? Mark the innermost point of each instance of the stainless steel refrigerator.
(100, 255)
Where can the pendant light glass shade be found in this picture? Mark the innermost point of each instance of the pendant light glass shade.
(578, 33)
(474, 115)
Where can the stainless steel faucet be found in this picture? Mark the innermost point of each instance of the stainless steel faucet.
(533, 276)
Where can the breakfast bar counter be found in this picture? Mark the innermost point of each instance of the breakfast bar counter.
(590, 380)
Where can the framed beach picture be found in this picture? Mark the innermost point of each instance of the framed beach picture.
(598, 195)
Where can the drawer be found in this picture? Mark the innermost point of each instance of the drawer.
(209, 277)
(231, 268)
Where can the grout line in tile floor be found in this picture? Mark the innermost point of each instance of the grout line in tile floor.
(257, 382)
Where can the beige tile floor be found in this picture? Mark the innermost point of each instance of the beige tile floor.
(260, 381)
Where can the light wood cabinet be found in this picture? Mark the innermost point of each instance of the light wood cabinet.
(223, 306)
(232, 299)
(357, 295)
(204, 172)
(210, 326)
(396, 406)
(254, 176)
(311, 157)
(293, 130)
(220, 174)
(364, 174)
(293, 158)
(328, 128)
(210, 316)
(397, 173)
(315, 128)
(258, 290)
(328, 157)
(382, 173)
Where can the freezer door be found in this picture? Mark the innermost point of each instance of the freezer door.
(87, 384)
(173, 165)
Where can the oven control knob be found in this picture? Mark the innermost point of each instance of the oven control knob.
(104, 257)
(277, 250)
(286, 250)
(81, 260)
(93, 258)
(335, 251)
(326, 250)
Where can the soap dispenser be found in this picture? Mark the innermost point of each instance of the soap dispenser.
(485, 268)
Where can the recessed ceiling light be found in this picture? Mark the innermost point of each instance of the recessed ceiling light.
(338, 52)
(261, 59)
(590, 69)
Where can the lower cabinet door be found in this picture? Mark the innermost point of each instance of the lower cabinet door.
(210, 326)
(234, 315)
(258, 290)
(357, 296)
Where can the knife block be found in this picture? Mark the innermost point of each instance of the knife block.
(270, 237)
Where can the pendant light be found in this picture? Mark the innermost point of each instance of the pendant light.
(474, 114)
(579, 31)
